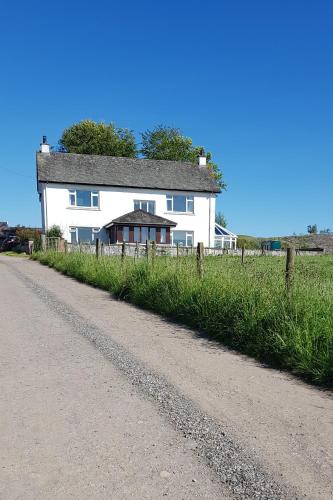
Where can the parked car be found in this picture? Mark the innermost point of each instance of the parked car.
(9, 243)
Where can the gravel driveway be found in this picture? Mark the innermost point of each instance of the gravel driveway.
(102, 400)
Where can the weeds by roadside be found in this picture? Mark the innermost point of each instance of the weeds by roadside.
(245, 307)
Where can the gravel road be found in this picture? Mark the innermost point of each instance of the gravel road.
(102, 400)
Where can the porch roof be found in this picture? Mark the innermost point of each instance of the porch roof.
(141, 218)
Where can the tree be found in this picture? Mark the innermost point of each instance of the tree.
(54, 232)
(220, 219)
(92, 138)
(168, 143)
(312, 229)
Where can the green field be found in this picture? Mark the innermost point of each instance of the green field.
(245, 306)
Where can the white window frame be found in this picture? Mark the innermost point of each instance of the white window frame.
(94, 231)
(93, 195)
(145, 201)
(188, 235)
(188, 199)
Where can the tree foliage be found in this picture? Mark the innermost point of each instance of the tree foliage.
(248, 242)
(220, 219)
(92, 138)
(168, 143)
(54, 232)
(312, 229)
(27, 233)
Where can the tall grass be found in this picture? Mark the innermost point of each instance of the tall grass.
(245, 307)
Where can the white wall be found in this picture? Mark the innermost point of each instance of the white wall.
(114, 202)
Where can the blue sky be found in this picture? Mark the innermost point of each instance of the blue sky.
(252, 81)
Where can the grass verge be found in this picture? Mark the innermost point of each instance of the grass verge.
(245, 307)
(15, 254)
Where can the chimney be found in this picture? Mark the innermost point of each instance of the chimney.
(44, 147)
(202, 160)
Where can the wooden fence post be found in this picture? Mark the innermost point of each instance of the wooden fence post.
(148, 250)
(97, 248)
(123, 251)
(66, 246)
(102, 249)
(200, 257)
(243, 253)
(136, 252)
(153, 252)
(177, 250)
(290, 264)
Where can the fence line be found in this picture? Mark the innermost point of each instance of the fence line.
(139, 250)
(150, 250)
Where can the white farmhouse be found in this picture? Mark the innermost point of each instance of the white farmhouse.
(126, 199)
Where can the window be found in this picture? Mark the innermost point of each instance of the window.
(180, 203)
(146, 205)
(163, 235)
(142, 234)
(83, 234)
(80, 198)
(182, 238)
(125, 233)
(137, 234)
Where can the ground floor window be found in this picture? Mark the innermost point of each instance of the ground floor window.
(163, 235)
(182, 238)
(228, 243)
(83, 234)
(126, 233)
(138, 234)
(142, 234)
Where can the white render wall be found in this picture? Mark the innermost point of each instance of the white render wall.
(114, 202)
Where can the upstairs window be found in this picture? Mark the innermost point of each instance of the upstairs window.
(146, 205)
(180, 203)
(82, 198)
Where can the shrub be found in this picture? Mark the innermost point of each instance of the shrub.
(54, 232)
(26, 233)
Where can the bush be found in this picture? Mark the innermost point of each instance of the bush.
(54, 232)
(26, 233)
(248, 242)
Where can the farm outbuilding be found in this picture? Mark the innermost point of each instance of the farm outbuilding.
(271, 245)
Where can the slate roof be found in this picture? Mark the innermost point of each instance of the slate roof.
(141, 218)
(69, 168)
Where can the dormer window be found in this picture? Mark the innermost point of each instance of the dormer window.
(83, 198)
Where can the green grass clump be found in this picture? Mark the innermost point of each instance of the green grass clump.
(244, 306)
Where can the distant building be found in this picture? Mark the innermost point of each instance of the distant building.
(271, 245)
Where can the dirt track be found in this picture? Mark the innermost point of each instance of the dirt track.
(86, 419)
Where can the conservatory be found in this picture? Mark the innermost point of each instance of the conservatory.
(224, 238)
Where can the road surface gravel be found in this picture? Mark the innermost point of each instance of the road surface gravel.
(146, 408)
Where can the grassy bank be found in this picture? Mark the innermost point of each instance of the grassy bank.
(245, 307)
